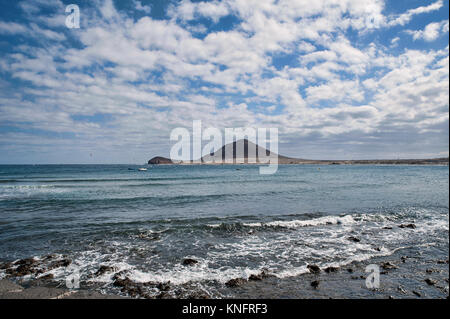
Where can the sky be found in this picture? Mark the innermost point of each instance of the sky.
(340, 79)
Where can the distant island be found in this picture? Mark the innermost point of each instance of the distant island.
(218, 157)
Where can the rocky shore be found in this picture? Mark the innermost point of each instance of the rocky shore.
(412, 272)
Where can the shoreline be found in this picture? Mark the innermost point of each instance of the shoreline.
(410, 272)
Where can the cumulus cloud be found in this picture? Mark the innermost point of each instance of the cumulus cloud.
(431, 32)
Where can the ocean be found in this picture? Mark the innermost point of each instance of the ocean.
(230, 219)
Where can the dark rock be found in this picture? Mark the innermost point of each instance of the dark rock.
(417, 293)
(47, 277)
(263, 274)
(160, 160)
(330, 269)
(354, 239)
(6, 265)
(388, 266)
(387, 227)
(119, 275)
(377, 248)
(354, 277)
(255, 277)
(60, 263)
(350, 270)
(411, 226)
(383, 272)
(235, 282)
(198, 295)
(313, 269)
(189, 262)
(441, 262)
(104, 269)
(164, 295)
(430, 281)
(362, 277)
(403, 259)
(25, 267)
(163, 286)
(125, 282)
(27, 261)
(315, 284)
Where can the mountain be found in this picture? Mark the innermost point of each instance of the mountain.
(238, 152)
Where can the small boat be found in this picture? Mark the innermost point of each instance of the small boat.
(142, 169)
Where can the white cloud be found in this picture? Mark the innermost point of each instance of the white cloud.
(140, 7)
(431, 32)
(404, 18)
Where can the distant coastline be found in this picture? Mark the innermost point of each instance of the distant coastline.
(218, 158)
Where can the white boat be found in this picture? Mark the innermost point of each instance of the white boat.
(142, 169)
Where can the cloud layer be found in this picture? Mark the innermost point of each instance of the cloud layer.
(340, 79)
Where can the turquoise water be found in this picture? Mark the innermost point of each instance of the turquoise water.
(234, 221)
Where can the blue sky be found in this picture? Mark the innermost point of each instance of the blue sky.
(348, 79)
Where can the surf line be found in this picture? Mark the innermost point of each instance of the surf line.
(193, 309)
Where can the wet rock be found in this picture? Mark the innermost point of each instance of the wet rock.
(354, 239)
(315, 284)
(401, 289)
(104, 269)
(24, 267)
(6, 265)
(163, 286)
(119, 275)
(331, 269)
(47, 277)
(255, 277)
(430, 281)
(164, 295)
(235, 282)
(60, 263)
(313, 269)
(411, 226)
(26, 261)
(198, 295)
(189, 262)
(125, 282)
(263, 274)
(388, 265)
(130, 287)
